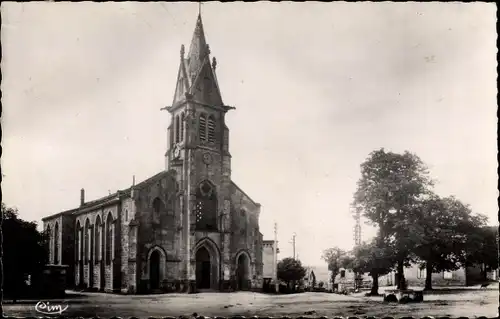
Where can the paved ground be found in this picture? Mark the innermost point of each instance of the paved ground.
(469, 302)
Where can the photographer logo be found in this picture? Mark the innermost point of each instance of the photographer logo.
(47, 309)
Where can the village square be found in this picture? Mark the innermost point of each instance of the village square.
(189, 241)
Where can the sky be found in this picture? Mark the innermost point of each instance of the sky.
(316, 86)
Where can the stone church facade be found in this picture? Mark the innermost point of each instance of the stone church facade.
(189, 227)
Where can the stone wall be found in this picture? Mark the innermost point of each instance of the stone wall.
(127, 214)
(258, 281)
(133, 282)
(245, 233)
(66, 243)
(156, 231)
(97, 273)
(268, 260)
(416, 277)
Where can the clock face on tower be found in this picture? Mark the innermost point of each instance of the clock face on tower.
(207, 158)
(176, 151)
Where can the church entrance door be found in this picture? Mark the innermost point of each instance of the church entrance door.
(203, 269)
(242, 272)
(154, 270)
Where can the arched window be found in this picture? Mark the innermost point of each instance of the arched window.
(98, 238)
(109, 238)
(87, 241)
(78, 238)
(203, 127)
(182, 127)
(206, 207)
(177, 129)
(56, 244)
(49, 242)
(211, 129)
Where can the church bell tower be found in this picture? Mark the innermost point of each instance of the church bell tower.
(198, 148)
(197, 111)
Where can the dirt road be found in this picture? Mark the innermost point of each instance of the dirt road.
(455, 303)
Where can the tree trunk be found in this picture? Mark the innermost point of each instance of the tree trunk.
(484, 276)
(428, 276)
(401, 284)
(374, 291)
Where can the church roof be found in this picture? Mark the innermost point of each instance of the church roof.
(243, 192)
(90, 205)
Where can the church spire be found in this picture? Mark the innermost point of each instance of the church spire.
(198, 51)
(196, 78)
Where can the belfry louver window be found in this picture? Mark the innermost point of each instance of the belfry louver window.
(211, 129)
(182, 127)
(177, 129)
(203, 128)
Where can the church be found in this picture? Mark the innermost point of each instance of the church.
(188, 228)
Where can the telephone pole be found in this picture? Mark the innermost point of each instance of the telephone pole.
(357, 241)
(357, 226)
(275, 258)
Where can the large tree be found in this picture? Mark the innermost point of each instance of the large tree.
(388, 194)
(482, 248)
(375, 258)
(290, 270)
(336, 259)
(24, 250)
(443, 227)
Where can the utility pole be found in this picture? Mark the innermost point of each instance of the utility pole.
(275, 258)
(357, 241)
(357, 226)
(293, 244)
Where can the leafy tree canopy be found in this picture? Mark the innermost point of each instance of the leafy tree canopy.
(336, 259)
(482, 247)
(388, 194)
(374, 258)
(24, 248)
(443, 227)
(290, 269)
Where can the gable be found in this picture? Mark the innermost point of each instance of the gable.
(182, 84)
(205, 88)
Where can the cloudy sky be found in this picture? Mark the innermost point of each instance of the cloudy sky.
(317, 87)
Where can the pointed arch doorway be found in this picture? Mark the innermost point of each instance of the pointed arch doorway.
(242, 272)
(154, 270)
(207, 258)
(203, 269)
